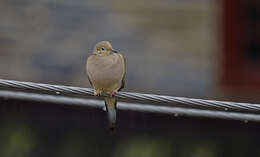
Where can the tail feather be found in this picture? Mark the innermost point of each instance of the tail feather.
(111, 111)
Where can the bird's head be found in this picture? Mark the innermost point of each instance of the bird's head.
(104, 48)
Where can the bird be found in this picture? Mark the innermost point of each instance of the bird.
(106, 69)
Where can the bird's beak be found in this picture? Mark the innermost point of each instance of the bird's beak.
(115, 51)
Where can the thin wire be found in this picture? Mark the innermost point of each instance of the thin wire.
(186, 102)
(175, 111)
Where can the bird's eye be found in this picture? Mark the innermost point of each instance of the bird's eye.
(102, 48)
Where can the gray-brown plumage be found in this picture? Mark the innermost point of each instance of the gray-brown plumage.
(106, 74)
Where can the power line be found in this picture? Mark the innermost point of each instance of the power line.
(185, 102)
(175, 111)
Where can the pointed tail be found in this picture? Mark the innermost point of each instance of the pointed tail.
(111, 111)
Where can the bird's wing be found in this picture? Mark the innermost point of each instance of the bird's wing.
(124, 64)
(87, 71)
(90, 81)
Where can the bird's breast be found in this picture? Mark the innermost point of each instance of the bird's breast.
(105, 72)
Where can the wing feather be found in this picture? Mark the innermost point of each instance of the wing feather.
(123, 79)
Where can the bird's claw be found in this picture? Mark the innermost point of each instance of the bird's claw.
(97, 93)
(112, 93)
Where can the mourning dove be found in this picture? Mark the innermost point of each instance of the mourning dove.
(106, 74)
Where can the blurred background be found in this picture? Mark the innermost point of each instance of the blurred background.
(191, 48)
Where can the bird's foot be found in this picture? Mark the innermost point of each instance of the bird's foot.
(112, 93)
(97, 93)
